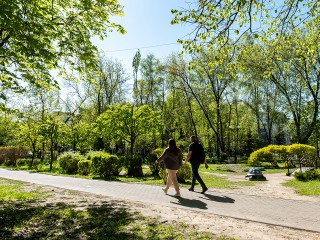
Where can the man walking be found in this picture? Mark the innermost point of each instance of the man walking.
(194, 158)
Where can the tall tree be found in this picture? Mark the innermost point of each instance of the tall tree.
(127, 122)
(135, 65)
(150, 85)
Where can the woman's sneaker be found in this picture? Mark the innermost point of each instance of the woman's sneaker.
(165, 190)
(177, 195)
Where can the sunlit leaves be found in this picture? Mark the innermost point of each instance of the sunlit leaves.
(38, 36)
(221, 22)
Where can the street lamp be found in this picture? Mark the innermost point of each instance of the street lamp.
(236, 142)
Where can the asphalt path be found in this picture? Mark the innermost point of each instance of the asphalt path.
(302, 215)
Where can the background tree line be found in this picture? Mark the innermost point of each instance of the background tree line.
(236, 93)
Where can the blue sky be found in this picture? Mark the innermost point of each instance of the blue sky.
(147, 23)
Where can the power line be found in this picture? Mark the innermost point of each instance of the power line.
(153, 46)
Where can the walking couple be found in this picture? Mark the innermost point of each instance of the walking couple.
(172, 158)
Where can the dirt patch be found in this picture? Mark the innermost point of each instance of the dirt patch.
(217, 225)
(271, 188)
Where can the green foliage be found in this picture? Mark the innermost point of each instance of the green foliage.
(157, 152)
(301, 149)
(308, 175)
(27, 163)
(133, 163)
(104, 164)
(84, 167)
(68, 161)
(260, 155)
(10, 154)
(184, 173)
(39, 34)
(272, 152)
(127, 122)
(150, 160)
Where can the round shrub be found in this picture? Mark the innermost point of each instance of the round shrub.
(103, 164)
(183, 174)
(68, 161)
(84, 167)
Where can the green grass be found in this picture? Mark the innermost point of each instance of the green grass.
(14, 190)
(305, 188)
(63, 220)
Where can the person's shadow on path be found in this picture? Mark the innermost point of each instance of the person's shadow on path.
(223, 199)
(192, 203)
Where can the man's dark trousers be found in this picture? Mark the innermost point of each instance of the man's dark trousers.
(196, 176)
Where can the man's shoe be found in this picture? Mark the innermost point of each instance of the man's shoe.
(165, 190)
(191, 189)
(204, 190)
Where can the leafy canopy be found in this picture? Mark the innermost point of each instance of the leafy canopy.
(38, 36)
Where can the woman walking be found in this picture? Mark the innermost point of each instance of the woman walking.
(172, 158)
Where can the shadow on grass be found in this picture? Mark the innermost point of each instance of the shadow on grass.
(63, 221)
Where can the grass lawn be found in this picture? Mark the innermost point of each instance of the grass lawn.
(305, 188)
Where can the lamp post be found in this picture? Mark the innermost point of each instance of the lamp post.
(237, 142)
(228, 153)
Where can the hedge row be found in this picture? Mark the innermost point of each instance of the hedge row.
(106, 165)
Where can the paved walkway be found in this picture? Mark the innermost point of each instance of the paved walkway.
(289, 213)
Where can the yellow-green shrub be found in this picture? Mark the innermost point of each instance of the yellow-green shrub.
(84, 167)
(267, 154)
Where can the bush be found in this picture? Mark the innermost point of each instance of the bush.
(9, 155)
(301, 153)
(150, 161)
(23, 162)
(133, 164)
(183, 173)
(27, 162)
(68, 161)
(103, 164)
(308, 175)
(84, 167)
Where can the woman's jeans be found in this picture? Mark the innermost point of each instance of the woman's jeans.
(196, 176)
